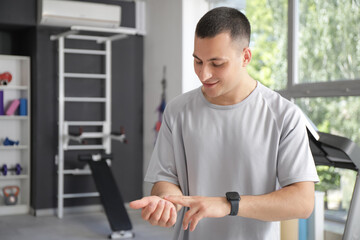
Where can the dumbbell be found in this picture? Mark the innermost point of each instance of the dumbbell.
(11, 194)
(17, 169)
(8, 142)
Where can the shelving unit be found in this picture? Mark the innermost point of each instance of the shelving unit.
(16, 128)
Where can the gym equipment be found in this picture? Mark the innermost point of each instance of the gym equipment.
(332, 150)
(8, 142)
(103, 138)
(77, 136)
(5, 78)
(11, 194)
(2, 111)
(119, 136)
(109, 194)
(17, 169)
(80, 136)
(13, 107)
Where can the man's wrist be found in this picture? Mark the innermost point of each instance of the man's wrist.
(227, 206)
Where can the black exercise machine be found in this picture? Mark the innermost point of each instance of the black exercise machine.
(340, 152)
(110, 195)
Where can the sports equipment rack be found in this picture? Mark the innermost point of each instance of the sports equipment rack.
(119, 221)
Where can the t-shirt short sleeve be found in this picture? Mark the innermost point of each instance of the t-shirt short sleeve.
(295, 161)
(162, 163)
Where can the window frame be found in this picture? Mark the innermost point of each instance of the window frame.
(294, 89)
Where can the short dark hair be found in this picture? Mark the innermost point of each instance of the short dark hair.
(224, 19)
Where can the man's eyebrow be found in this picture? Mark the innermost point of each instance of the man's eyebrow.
(196, 57)
(211, 59)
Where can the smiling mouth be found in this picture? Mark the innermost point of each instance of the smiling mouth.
(209, 84)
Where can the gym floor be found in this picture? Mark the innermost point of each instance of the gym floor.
(79, 226)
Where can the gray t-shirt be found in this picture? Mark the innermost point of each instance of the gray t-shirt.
(252, 147)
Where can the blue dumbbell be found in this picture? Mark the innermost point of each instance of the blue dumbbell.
(8, 142)
(17, 169)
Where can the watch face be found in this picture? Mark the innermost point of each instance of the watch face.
(232, 195)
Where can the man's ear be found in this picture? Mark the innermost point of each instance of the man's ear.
(246, 56)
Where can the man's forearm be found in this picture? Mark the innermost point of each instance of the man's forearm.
(162, 189)
(294, 201)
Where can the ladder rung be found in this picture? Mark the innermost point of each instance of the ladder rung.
(84, 99)
(77, 171)
(87, 37)
(93, 135)
(85, 147)
(81, 195)
(85, 51)
(124, 30)
(85, 75)
(84, 123)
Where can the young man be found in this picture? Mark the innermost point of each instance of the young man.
(232, 147)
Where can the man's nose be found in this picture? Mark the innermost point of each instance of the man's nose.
(205, 73)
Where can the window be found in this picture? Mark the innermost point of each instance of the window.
(329, 40)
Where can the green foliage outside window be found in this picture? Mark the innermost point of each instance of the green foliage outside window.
(329, 40)
(268, 42)
(330, 180)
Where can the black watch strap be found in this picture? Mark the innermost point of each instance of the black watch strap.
(234, 199)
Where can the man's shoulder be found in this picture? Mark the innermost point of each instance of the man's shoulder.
(278, 105)
(179, 103)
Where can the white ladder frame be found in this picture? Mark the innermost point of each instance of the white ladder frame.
(63, 125)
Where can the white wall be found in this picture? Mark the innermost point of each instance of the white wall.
(192, 12)
(162, 47)
(169, 41)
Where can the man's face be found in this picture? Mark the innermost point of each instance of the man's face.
(219, 64)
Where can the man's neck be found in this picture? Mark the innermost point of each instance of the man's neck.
(237, 95)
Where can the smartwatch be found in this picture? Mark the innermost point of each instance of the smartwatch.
(234, 199)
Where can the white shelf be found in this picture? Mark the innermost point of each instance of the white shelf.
(15, 209)
(15, 147)
(11, 177)
(13, 87)
(13, 117)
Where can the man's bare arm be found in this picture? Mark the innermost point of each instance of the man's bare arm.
(293, 201)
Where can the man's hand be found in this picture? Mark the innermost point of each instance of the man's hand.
(156, 210)
(201, 207)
